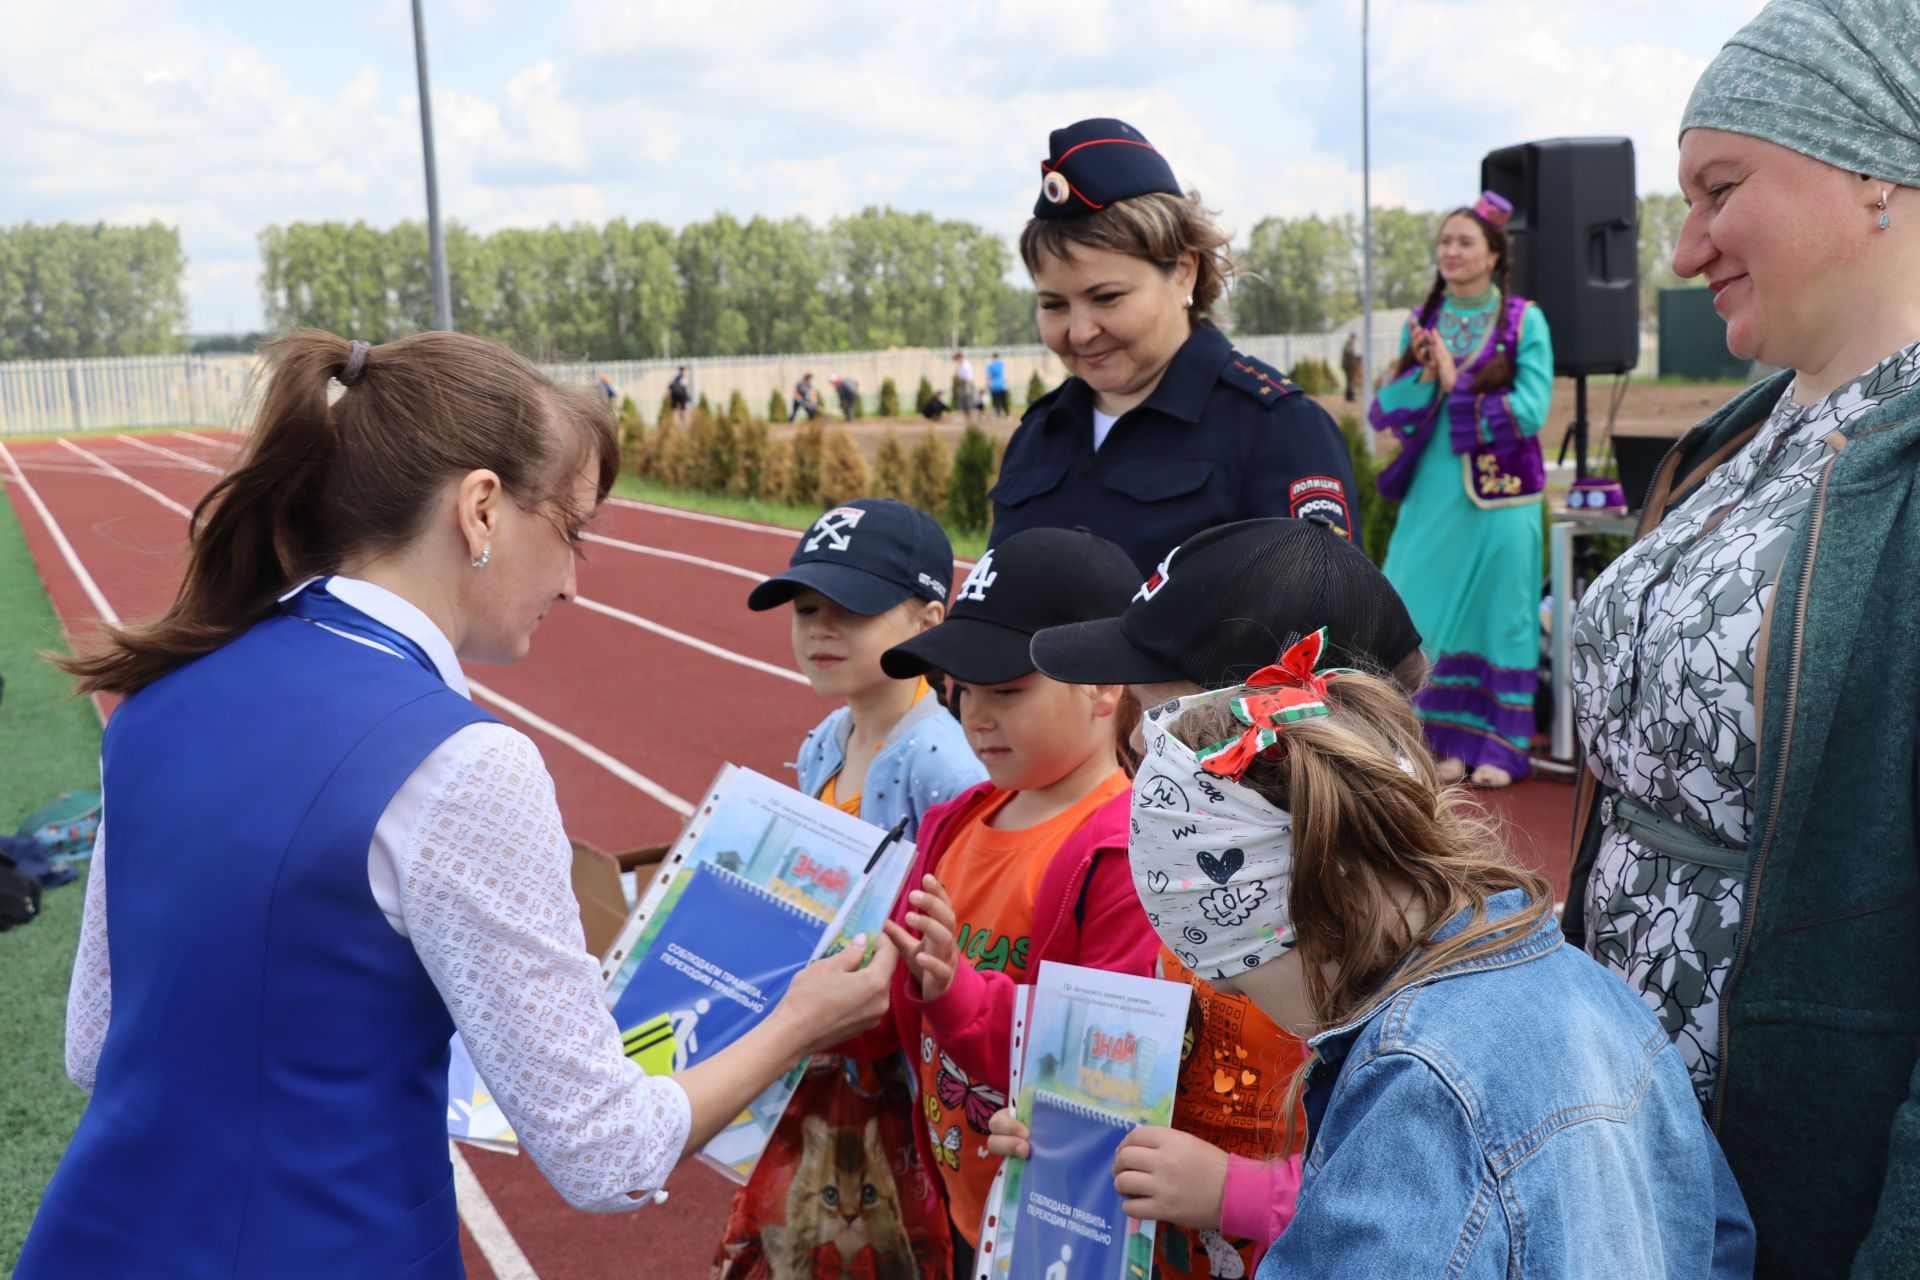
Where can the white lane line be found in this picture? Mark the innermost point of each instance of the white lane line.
(483, 1221)
(778, 531)
(692, 642)
(219, 444)
(175, 454)
(638, 781)
(101, 609)
(107, 468)
(640, 548)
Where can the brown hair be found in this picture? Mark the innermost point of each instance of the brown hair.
(322, 479)
(1498, 371)
(1158, 227)
(1372, 827)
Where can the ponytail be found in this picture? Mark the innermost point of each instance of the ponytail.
(325, 478)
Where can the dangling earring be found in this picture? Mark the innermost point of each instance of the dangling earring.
(486, 554)
(1885, 221)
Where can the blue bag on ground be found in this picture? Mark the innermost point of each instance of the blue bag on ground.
(65, 827)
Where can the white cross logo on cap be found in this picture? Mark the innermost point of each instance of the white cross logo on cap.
(1161, 573)
(835, 529)
(982, 577)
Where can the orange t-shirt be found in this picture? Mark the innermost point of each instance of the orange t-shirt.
(1234, 1068)
(992, 877)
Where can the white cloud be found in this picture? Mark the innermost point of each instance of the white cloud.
(672, 109)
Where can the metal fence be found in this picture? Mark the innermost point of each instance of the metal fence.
(112, 394)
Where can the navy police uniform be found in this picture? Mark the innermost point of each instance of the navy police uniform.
(1222, 437)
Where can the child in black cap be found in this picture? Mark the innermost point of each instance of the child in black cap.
(1216, 609)
(864, 577)
(1031, 866)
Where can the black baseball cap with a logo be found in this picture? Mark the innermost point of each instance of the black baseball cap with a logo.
(1227, 602)
(866, 556)
(1037, 578)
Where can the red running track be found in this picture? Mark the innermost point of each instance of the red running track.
(627, 717)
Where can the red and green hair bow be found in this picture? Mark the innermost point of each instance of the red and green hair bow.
(1289, 691)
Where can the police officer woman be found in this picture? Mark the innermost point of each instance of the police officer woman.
(1163, 429)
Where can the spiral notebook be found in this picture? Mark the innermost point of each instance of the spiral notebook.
(761, 881)
(1094, 1055)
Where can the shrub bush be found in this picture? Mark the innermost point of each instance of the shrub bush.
(713, 451)
(749, 478)
(1372, 514)
(631, 430)
(737, 412)
(1314, 377)
(967, 485)
(702, 405)
(843, 470)
(922, 395)
(890, 468)
(1036, 387)
(777, 408)
(928, 469)
(889, 399)
(809, 452)
(666, 408)
(665, 455)
(776, 475)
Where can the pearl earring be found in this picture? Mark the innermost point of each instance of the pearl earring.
(1189, 302)
(1885, 221)
(486, 554)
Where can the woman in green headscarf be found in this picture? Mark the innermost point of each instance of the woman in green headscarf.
(1747, 675)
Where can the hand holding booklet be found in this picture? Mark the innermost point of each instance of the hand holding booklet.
(1094, 1055)
(761, 882)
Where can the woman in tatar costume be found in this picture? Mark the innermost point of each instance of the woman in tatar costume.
(1466, 404)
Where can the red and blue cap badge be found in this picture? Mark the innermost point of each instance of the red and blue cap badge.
(1091, 164)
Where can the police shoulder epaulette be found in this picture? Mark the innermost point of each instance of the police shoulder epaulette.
(1258, 379)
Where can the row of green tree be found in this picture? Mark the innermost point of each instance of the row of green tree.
(1303, 274)
(70, 290)
(880, 278)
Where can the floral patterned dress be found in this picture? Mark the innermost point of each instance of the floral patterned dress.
(1666, 648)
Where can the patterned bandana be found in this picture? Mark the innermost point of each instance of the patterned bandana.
(1212, 858)
(1833, 79)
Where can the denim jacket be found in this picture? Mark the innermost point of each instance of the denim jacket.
(925, 760)
(1518, 1115)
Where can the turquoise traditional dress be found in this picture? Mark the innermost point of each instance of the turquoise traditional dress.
(1466, 553)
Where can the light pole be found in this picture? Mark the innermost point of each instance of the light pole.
(436, 247)
(1366, 219)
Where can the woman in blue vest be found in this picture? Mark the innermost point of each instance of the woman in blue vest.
(324, 858)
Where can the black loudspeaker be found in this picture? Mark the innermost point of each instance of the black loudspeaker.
(1576, 249)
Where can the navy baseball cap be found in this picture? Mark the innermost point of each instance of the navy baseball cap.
(1037, 578)
(1227, 602)
(866, 556)
(1091, 164)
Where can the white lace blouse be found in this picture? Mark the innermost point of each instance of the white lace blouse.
(471, 863)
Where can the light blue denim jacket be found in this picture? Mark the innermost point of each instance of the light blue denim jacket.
(1519, 1115)
(925, 760)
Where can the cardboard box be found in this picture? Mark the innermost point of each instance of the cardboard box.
(597, 887)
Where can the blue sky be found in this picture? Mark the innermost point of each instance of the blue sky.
(223, 117)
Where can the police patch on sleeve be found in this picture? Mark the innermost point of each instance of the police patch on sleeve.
(1320, 497)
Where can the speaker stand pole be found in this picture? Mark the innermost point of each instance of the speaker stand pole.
(1579, 425)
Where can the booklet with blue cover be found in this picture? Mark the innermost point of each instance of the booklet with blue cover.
(1094, 1055)
(760, 882)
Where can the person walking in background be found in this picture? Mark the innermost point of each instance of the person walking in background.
(963, 392)
(1351, 366)
(680, 393)
(325, 858)
(604, 385)
(1745, 676)
(1162, 429)
(997, 385)
(1465, 406)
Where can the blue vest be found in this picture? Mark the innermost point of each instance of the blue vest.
(271, 1098)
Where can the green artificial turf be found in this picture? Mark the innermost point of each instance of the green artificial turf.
(967, 546)
(49, 743)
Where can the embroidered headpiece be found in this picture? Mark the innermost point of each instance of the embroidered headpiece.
(1494, 207)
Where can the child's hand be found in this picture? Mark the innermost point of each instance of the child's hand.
(1006, 1136)
(933, 953)
(1169, 1176)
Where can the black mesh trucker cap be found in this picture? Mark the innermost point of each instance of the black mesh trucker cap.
(1037, 578)
(1227, 602)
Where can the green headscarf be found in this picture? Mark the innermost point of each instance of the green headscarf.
(1838, 80)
